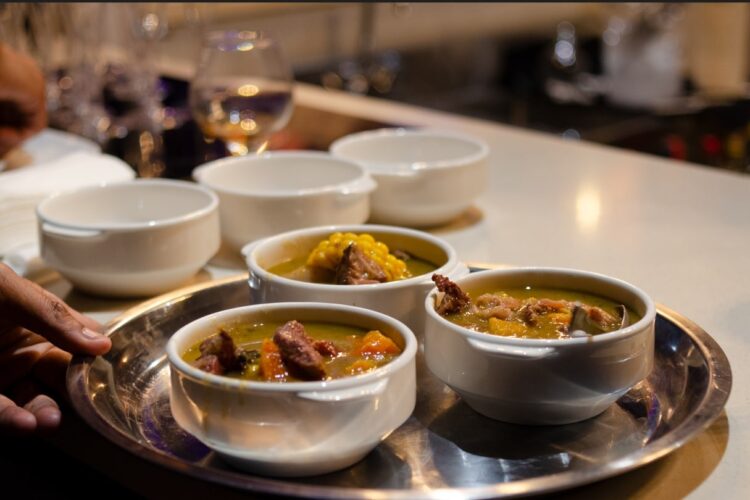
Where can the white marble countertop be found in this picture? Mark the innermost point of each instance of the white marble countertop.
(679, 231)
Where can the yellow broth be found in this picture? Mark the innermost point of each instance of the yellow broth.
(547, 326)
(346, 339)
(297, 269)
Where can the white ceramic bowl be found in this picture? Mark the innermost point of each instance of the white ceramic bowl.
(280, 191)
(534, 381)
(425, 177)
(133, 238)
(400, 299)
(296, 428)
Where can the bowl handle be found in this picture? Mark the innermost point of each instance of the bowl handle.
(364, 185)
(352, 394)
(505, 351)
(56, 230)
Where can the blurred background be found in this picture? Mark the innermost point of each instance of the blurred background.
(665, 79)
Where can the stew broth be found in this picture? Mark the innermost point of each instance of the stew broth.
(545, 324)
(357, 350)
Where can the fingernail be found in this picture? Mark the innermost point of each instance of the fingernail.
(91, 334)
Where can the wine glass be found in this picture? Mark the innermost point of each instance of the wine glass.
(242, 90)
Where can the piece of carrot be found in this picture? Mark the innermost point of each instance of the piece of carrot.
(376, 343)
(271, 365)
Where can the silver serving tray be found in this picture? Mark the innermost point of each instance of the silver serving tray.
(444, 449)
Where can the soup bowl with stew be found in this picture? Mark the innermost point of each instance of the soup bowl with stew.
(277, 270)
(567, 374)
(269, 422)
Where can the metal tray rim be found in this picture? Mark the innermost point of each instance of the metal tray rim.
(705, 414)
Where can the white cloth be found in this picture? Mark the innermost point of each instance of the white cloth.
(21, 190)
(72, 171)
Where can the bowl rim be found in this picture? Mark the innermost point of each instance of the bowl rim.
(224, 383)
(264, 274)
(212, 206)
(647, 319)
(360, 184)
(390, 132)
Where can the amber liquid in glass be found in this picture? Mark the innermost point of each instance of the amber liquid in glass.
(243, 117)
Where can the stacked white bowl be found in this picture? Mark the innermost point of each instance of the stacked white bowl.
(21, 190)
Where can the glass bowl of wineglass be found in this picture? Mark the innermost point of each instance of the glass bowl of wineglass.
(242, 90)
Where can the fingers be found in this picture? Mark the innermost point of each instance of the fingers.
(45, 411)
(25, 358)
(19, 355)
(50, 370)
(41, 414)
(15, 421)
(86, 321)
(38, 310)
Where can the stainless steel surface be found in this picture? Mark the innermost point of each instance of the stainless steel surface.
(444, 448)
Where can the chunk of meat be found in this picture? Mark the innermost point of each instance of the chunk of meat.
(325, 347)
(499, 312)
(601, 318)
(454, 299)
(298, 353)
(219, 355)
(591, 320)
(529, 313)
(220, 345)
(550, 305)
(491, 305)
(356, 268)
(271, 366)
(532, 308)
(209, 364)
(493, 300)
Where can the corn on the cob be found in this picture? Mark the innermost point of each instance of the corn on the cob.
(329, 252)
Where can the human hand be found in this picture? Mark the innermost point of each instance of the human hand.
(38, 331)
(22, 99)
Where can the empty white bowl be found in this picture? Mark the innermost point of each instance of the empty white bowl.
(401, 299)
(280, 191)
(425, 177)
(535, 381)
(295, 428)
(134, 238)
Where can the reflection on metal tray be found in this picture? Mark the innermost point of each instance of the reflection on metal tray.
(444, 448)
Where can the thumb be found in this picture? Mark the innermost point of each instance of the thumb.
(35, 309)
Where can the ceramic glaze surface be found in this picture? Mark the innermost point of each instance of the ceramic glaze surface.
(281, 191)
(424, 177)
(293, 428)
(542, 381)
(400, 299)
(136, 238)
